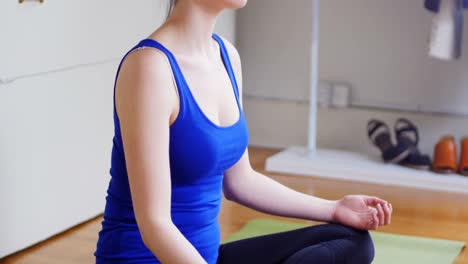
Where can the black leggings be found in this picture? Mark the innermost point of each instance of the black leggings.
(323, 244)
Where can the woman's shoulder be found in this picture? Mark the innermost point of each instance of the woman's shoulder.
(235, 62)
(147, 57)
(146, 74)
(148, 64)
(231, 49)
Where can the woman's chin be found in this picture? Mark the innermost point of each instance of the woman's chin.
(236, 4)
(230, 4)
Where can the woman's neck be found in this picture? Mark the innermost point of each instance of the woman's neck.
(193, 26)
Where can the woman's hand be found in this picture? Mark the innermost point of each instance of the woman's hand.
(362, 212)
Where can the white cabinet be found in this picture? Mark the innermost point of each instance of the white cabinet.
(56, 129)
(55, 138)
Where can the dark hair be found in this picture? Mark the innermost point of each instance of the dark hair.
(170, 7)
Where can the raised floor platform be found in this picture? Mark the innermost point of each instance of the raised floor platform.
(337, 164)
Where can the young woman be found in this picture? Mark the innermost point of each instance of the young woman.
(181, 140)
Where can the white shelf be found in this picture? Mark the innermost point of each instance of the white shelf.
(342, 165)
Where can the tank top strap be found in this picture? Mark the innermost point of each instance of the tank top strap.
(228, 65)
(179, 81)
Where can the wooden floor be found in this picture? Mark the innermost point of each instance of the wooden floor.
(421, 213)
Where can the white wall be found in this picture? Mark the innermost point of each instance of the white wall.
(273, 39)
(56, 128)
(274, 43)
(226, 25)
(381, 48)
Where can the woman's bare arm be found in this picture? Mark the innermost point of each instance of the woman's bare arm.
(145, 99)
(248, 187)
(257, 191)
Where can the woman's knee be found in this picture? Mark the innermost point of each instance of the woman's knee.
(357, 244)
(361, 247)
(364, 246)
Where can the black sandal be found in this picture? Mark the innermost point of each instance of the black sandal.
(407, 133)
(379, 134)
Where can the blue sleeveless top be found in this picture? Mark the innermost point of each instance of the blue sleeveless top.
(200, 151)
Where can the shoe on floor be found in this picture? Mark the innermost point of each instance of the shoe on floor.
(445, 155)
(463, 164)
(379, 134)
(407, 133)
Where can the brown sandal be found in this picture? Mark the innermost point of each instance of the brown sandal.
(445, 156)
(463, 164)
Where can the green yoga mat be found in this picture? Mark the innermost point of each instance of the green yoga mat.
(389, 248)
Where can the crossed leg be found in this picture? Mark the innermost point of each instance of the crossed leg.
(324, 244)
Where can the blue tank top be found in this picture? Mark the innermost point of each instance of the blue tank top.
(200, 151)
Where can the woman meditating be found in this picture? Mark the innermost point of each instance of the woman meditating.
(180, 142)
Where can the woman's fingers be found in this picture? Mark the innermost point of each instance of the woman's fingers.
(381, 214)
(385, 212)
(383, 208)
(375, 219)
(373, 200)
(388, 213)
